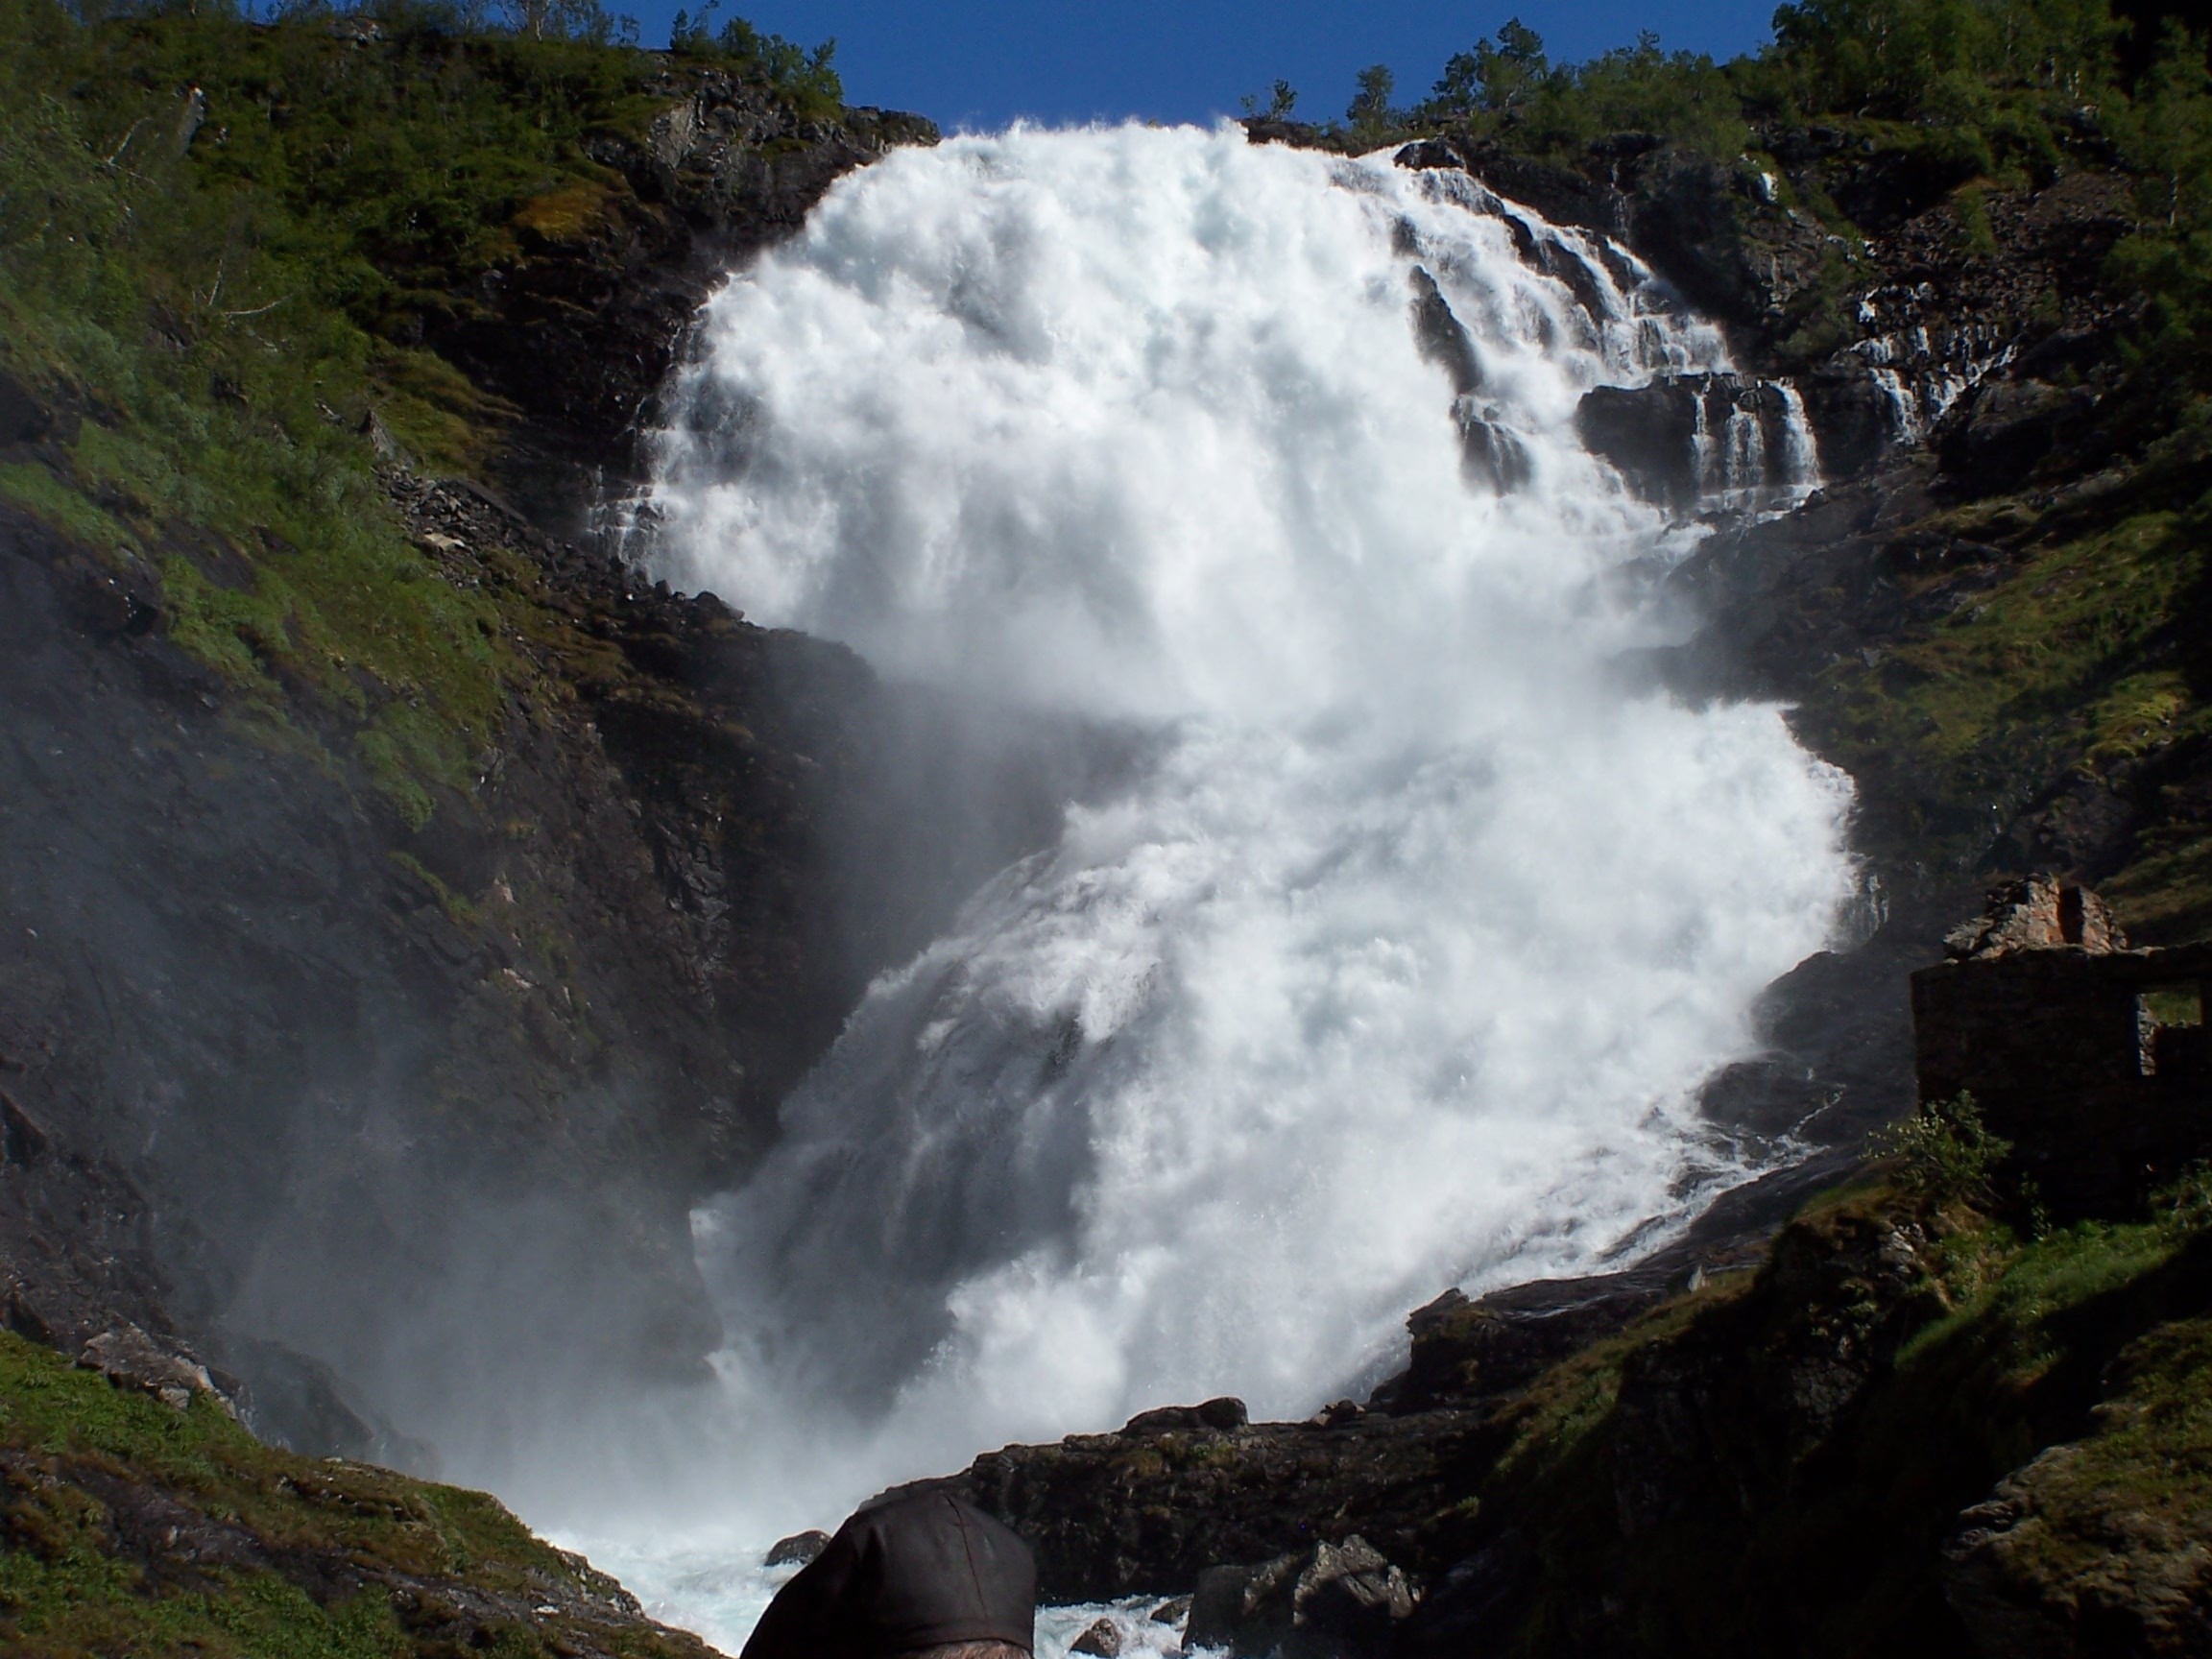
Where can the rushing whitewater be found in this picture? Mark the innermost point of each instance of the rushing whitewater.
(1399, 961)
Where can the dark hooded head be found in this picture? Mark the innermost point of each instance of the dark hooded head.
(902, 1577)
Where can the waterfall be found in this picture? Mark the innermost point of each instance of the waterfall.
(1800, 450)
(1744, 453)
(1703, 459)
(1941, 371)
(1400, 962)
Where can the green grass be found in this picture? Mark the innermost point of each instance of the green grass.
(2070, 658)
(1776, 1536)
(2146, 1469)
(2064, 637)
(218, 450)
(71, 1445)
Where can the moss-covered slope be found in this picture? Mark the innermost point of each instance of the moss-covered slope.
(130, 1528)
(1911, 1429)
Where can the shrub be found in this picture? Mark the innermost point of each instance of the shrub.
(1948, 1153)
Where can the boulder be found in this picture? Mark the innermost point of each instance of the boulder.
(797, 1549)
(1646, 432)
(130, 1358)
(1103, 1640)
(1331, 1601)
(1221, 1415)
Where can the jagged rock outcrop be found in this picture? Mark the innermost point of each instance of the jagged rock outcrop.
(1328, 1601)
(2101, 1545)
(579, 329)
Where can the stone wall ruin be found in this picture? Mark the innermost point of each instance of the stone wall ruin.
(2089, 1056)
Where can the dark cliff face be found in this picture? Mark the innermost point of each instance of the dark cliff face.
(580, 326)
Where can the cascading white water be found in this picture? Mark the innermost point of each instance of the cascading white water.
(1400, 962)
(1800, 452)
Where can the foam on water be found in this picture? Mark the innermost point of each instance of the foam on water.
(1400, 962)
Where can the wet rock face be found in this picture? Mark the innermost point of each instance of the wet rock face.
(215, 976)
(1148, 1508)
(1685, 440)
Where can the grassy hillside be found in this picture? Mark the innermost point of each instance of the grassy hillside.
(129, 1527)
(221, 245)
(1788, 1461)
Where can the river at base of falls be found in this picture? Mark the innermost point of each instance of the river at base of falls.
(1398, 961)
(717, 1590)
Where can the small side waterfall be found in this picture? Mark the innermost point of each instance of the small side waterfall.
(1920, 375)
(1706, 443)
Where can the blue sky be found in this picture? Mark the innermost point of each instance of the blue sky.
(980, 63)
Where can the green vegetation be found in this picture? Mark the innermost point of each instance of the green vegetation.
(1948, 1154)
(2059, 651)
(805, 78)
(128, 1526)
(1962, 92)
(223, 244)
(1788, 1452)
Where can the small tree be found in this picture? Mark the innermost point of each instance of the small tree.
(1948, 1152)
(1499, 75)
(808, 77)
(1370, 111)
(567, 20)
(1279, 104)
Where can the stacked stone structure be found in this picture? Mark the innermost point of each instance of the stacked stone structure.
(2089, 1056)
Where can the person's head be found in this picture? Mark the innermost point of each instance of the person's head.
(929, 1576)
